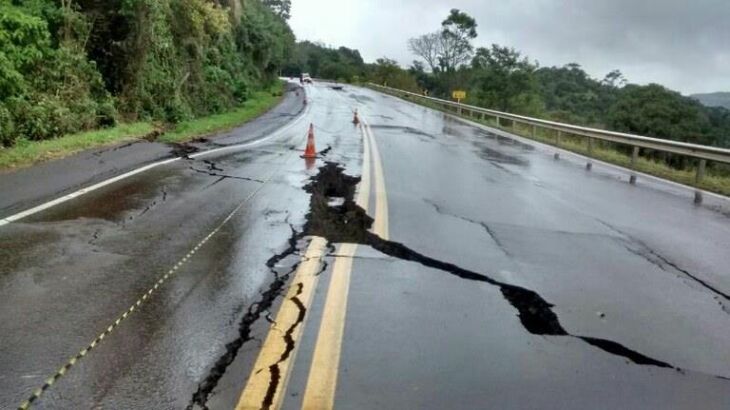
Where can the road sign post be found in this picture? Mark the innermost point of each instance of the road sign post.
(458, 95)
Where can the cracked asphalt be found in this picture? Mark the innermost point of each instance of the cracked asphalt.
(507, 279)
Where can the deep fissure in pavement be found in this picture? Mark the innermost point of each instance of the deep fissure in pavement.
(255, 311)
(346, 222)
(334, 215)
(274, 369)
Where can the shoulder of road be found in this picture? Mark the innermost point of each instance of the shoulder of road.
(28, 187)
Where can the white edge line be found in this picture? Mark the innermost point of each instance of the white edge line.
(76, 194)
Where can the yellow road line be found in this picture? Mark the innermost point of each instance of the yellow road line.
(380, 227)
(322, 381)
(363, 193)
(266, 385)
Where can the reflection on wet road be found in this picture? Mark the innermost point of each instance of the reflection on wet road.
(418, 262)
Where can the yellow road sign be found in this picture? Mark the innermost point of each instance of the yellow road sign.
(458, 95)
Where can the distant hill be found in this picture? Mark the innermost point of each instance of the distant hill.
(721, 99)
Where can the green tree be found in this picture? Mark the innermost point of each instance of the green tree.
(70, 65)
(655, 111)
(571, 95)
(387, 71)
(342, 64)
(457, 32)
(505, 81)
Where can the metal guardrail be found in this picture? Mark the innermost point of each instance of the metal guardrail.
(702, 152)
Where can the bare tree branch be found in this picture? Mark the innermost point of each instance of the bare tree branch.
(429, 47)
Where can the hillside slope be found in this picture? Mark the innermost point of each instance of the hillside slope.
(719, 99)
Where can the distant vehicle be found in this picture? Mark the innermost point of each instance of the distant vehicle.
(306, 79)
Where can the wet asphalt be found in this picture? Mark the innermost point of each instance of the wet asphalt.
(640, 266)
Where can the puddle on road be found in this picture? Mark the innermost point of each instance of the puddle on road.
(492, 155)
(502, 140)
(17, 242)
(409, 130)
(115, 202)
(363, 99)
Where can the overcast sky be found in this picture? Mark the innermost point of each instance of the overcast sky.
(682, 44)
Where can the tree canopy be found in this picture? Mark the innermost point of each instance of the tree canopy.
(502, 78)
(73, 65)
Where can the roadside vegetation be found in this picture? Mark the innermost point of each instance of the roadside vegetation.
(259, 103)
(25, 152)
(502, 78)
(79, 73)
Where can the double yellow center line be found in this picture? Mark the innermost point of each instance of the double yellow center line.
(267, 383)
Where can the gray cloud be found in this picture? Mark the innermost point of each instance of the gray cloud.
(684, 45)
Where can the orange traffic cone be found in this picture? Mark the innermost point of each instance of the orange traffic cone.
(356, 120)
(310, 151)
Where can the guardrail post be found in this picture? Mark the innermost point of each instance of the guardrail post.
(557, 143)
(698, 178)
(534, 131)
(634, 158)
(589, 164)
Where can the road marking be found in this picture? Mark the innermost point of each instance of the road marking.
(322, 380)
(266, 385)
(80, 192)
(71, 362)
(380, 227)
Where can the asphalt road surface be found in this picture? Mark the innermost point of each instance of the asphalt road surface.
(419, 262)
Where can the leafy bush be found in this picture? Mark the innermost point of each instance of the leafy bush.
(169, 60)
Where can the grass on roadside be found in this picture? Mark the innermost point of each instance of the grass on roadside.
(25, 153)
(260, 102)
(607, 152)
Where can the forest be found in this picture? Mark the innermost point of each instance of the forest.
(74, 65)
(504, 79)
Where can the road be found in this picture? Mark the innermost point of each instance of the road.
(419, 262)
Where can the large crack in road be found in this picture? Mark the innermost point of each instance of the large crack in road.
(334, 215)
(346, 222)
(643, 250)
(255, 311)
